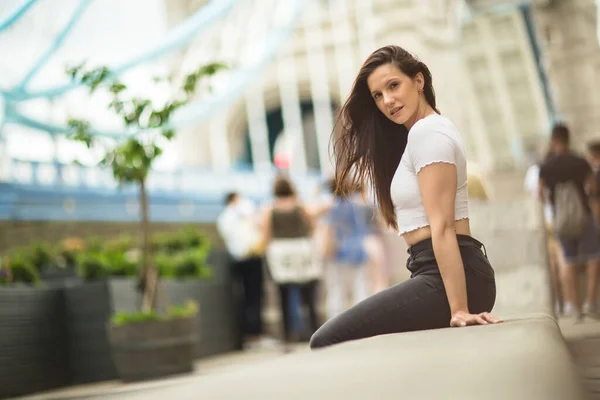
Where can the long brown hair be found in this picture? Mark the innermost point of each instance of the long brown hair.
(368, 146)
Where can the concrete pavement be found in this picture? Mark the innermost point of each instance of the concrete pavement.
(203, 368)
(583, 340)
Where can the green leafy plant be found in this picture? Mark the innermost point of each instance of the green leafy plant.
(90, 266)
(67, 258)
(121, 243)
(18, 269)
(172, 242)
(123, 318)
(101, 264)
(94, 244)
(190, 263)
(131, 158)
(118, 264)
(40, 255)
(177, 255)
(188, 310)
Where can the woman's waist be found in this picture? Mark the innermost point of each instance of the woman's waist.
(422, 260)
(412, 237)
(464, 240)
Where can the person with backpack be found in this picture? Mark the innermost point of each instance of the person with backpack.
(568, 180)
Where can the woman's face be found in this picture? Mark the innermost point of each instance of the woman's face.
(396, 95)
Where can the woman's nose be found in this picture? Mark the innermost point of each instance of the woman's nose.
(388, 100)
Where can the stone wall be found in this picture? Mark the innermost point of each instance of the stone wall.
(19, 233)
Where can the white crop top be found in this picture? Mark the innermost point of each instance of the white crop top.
(431, 140)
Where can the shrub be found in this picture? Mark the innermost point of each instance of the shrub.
(19, 269)
(90, 266)
(189, 309)
(40, 256)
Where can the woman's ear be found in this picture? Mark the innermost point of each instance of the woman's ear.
(419, 80)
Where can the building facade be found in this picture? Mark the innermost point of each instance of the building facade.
(289, 109)
(484, 70)
(510, 114)
(568, 35)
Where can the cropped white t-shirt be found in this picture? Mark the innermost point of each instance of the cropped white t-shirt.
(431, 140)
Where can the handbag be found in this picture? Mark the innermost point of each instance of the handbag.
(293, 260)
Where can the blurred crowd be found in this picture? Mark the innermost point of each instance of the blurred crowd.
(329, 250)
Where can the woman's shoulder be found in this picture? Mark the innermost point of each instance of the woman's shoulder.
(434, 123)
(432, 128)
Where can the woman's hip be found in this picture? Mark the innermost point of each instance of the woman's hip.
(473, 253)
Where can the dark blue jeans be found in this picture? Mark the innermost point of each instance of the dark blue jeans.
(248, 285)
(416, 304)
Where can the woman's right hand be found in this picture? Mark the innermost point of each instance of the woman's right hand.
(463, 318)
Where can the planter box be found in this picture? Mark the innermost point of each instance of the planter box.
(59, 277)
(33, 341)
(217, 323)
(153, 349)
(89, 306)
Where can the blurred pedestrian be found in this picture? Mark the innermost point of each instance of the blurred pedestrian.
(238, 226)
(291, 257)
(568, 181)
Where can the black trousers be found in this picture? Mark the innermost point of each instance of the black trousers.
(418, 303)
(308, 298)
(249, 283)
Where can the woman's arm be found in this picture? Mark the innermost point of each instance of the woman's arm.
(317, 210)
(438, 182)
(266, 224)
(308, 218)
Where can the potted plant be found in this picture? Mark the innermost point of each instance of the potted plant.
(188, 269)
(131, 160)
(148, 345)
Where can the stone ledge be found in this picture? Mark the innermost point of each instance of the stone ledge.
(523, 358)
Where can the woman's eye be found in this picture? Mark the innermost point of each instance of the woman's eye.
(377, 96)
(393, 85)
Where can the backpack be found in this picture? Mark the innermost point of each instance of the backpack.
(570, 214)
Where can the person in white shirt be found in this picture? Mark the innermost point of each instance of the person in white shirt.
(238, 226)
(390, 135)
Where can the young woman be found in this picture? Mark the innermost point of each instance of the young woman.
(290, 255)
(390, 133)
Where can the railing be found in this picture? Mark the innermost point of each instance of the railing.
(186, 182)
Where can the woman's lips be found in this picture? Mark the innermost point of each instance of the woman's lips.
(396, 110)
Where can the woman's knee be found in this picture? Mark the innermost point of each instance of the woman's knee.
(326, 335)
(319, 339)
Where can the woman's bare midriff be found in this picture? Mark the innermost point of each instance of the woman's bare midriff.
(461, 227)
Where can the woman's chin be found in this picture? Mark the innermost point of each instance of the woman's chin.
(398, 119)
